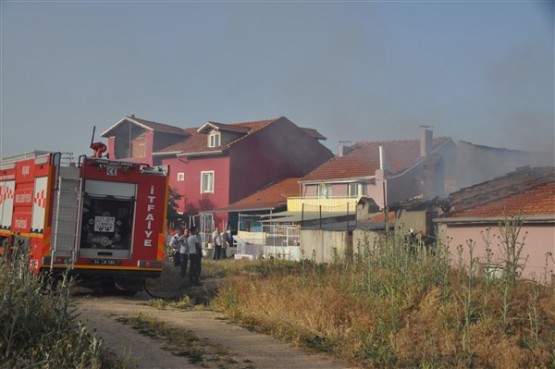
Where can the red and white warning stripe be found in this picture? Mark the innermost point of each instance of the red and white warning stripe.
(6, 193)
(40, 199)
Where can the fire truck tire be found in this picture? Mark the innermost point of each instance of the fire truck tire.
(128, 292)
(161, 288)
(109, 287)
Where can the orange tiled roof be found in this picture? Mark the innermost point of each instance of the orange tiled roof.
(380, 217)
(363, 159)
(271, 196)
(197, 142)
(526, 191)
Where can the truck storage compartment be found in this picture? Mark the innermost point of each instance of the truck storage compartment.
(107, 225)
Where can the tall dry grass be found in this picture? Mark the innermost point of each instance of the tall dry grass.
(389, 307)
(38, 326)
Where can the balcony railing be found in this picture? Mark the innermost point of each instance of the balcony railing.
(339, 204)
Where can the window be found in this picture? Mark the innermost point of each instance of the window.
(214, 139)
(358, 189)
(207, 182)
(324, 190)
(363, 189)
(353, 189)
(180, 177)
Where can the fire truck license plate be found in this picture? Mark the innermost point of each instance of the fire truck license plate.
(104, 262)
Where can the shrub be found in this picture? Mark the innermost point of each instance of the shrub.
(38, 325)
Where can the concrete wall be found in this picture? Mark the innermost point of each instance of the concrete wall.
(411, 219)
(363, 239)
(319, 245)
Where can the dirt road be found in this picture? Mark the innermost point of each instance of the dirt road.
(231, 347)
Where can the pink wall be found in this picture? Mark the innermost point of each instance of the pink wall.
(540, 239)
(193, 201)
(280, 150)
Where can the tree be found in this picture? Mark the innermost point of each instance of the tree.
(173, 216)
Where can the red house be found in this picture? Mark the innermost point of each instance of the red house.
(217, 164)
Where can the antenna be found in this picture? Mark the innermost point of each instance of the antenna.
(92, 138)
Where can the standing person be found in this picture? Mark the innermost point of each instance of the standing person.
(175, 244)
(229, 237)
(184, 253)
(224, 246)
(218, 243)
(195, 254)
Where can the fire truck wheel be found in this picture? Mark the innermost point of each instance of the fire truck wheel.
(128, 293)
(162, 288)
(129, 286)
(109, 287)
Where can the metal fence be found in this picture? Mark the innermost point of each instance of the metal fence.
(276, 240)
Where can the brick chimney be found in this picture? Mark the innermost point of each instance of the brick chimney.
(426, 135)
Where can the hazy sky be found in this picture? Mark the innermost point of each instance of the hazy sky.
(479, 71)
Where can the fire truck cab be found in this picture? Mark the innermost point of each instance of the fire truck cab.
(102, 219)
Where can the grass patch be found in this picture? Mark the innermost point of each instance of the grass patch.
(387, 307)
(183, 343)
(184, 303)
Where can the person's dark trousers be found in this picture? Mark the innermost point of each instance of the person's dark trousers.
(194, 268)
(184, 258)
(218, 253)
(177, 259)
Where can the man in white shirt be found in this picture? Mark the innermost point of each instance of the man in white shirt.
(217, 239)
(195, 255)
(175, 243)
(184, 253)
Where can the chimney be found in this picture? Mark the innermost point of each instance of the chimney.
(382, 158)
(426, 134)
(342, 149)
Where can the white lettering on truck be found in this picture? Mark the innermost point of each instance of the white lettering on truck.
(23, 198)
(149, 218)
(21, 223)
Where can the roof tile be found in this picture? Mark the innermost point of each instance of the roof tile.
(197, 142)
(526, 191)
(363, 159)
(271, 196)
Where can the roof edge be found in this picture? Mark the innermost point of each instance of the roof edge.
(336, 180)
(478, 220)
(203, 153)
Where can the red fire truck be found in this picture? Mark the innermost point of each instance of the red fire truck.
(103, 219)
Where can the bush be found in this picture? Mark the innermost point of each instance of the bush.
(38, 324)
